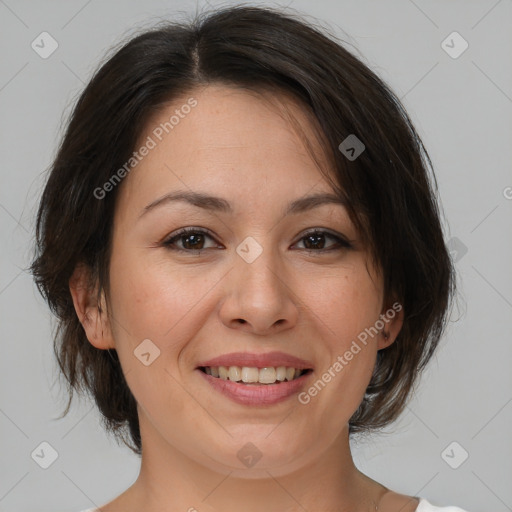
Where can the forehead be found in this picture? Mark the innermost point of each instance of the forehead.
(230, 139)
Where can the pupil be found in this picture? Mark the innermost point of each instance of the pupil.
(312, 237)
(196, 239)
(193, 237)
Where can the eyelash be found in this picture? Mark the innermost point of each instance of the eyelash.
(341, 243)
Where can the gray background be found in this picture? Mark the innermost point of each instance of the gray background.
(462, 109)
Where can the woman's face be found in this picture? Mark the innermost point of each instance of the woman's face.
(260, 285)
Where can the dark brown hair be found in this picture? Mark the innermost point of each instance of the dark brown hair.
(390, 189)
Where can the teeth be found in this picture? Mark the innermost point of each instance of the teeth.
(281, 373)
(234, 373)
(252, 375)
(268, 375)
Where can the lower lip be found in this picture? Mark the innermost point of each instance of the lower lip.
(253, 394)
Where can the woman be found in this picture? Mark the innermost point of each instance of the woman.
(241, 240)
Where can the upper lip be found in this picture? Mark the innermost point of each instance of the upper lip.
(251, 360)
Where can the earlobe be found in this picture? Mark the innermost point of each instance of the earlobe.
(393, 319)
(92, 316)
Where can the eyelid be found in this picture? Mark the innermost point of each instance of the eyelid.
(342, 242)
(184, 231)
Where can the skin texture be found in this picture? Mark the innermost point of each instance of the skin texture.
(238, 145)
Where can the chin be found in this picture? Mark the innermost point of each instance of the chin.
(255, 456)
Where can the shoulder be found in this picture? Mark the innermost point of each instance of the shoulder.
(391, 501)
(425, 506)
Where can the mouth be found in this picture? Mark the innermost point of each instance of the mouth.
(255, 376)
(256, 379)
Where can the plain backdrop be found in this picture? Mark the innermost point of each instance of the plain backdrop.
(461, 106)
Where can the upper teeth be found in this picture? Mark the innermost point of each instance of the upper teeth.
(267, 375)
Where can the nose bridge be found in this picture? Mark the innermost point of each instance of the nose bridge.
(258, 294)
(258, 267)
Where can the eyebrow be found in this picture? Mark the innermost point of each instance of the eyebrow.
(213, 203)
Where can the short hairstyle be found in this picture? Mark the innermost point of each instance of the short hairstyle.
(390, 189)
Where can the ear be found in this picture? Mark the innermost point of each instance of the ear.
(92, 316)
(393, 319)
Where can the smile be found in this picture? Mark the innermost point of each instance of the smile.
(255, 393)
(254, 375)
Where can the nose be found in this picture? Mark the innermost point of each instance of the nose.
(259, 296)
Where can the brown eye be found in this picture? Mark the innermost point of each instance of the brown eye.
(315, 241)
(192, 239)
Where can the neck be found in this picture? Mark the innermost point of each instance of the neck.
(171, 480)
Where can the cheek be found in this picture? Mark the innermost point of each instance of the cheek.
(346, 307)
(151, 300)
(345, 303)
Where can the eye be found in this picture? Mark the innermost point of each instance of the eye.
(194, 238)
(315, 241)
